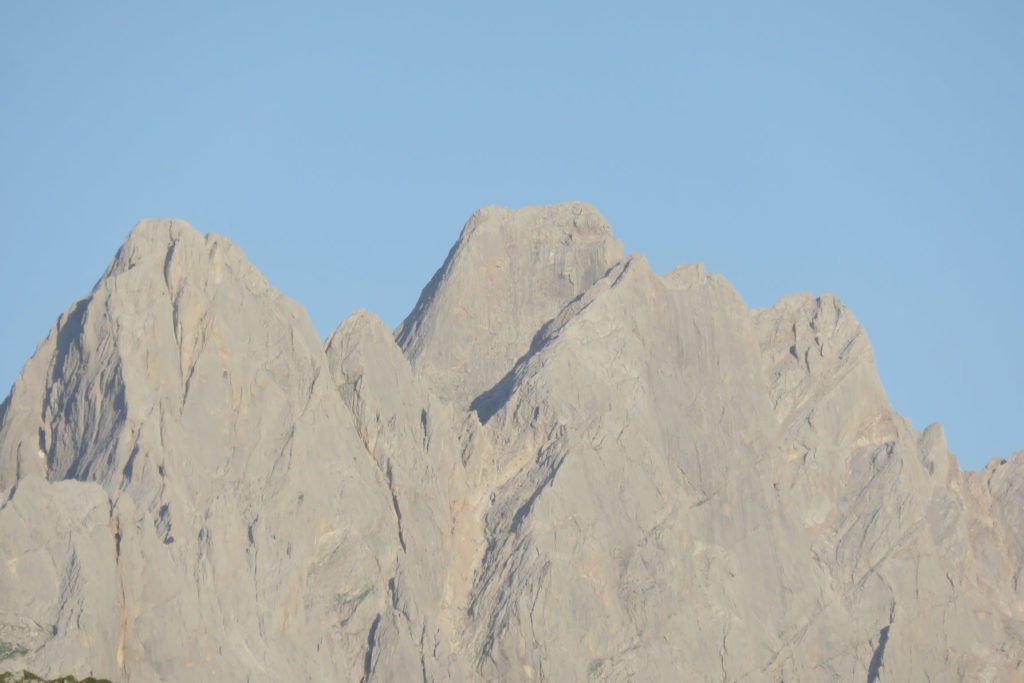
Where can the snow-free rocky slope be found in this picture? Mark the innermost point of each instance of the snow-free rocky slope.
(562, 466)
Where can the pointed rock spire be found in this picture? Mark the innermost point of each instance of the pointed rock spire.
(509, 273)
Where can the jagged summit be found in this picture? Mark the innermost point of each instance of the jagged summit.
(562, 466)
(200, 399)
(176, 249)
(152, 240)
(509, 273)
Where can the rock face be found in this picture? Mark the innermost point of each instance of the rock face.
(509, 273)
(562, 466)
(246, 531)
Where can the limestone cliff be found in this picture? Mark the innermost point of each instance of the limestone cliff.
(562, 466)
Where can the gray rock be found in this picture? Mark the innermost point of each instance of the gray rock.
(56, 540)
(251, 524)
(561, 466)
(509, 273)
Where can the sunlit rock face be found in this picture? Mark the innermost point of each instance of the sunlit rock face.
(561, 466)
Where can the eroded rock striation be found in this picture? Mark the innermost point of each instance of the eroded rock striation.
(561, 466)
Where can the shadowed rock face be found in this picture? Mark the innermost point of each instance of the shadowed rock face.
(562, 466)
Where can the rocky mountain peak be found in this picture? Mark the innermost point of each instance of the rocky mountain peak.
(152, 238)
(173, 249)
(508, 274)
(200, 399)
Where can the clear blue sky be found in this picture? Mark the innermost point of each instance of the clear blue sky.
(873, 149)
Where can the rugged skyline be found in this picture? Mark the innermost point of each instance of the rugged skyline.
(561, 466)
(842, 148)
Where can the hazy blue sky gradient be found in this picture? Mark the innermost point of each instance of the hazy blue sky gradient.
(872, 150)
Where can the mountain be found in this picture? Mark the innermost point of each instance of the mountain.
(561, 466)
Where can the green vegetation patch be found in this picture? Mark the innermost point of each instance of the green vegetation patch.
(29, 677)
